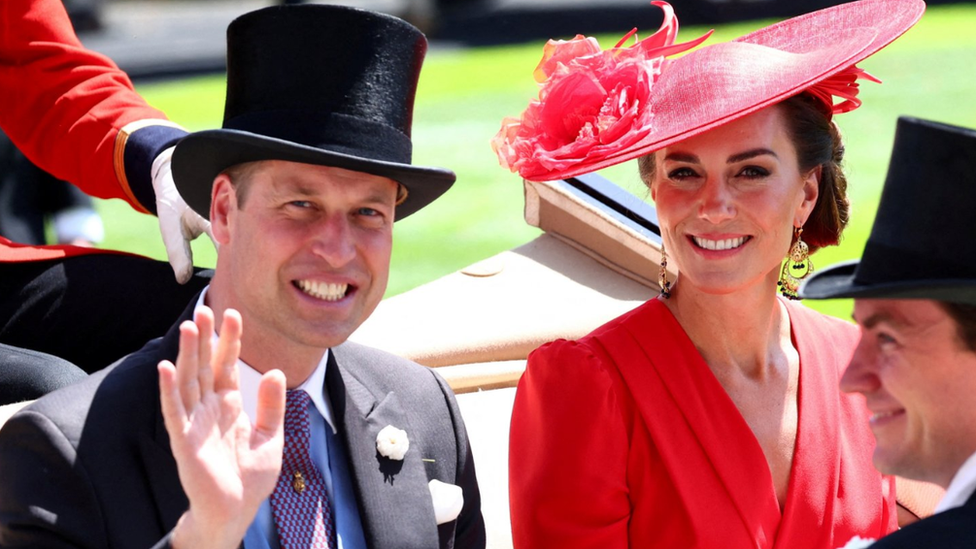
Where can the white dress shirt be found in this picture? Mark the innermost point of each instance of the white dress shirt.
(961, 488)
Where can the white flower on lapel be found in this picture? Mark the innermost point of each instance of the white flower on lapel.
(448, 500)
(857, 542)
(392, 442)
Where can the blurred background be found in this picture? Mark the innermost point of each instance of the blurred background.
(479, 70)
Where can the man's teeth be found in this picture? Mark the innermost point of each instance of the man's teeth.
(323, 290)
(881, 415)
(727, 244)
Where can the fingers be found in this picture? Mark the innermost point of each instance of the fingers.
(174, 414)
(271, 404)
(194, 225)
(201, 370)
(205, 326)
(169, 207)
(187, 365)
(194, 373)
(228, 351)
(177, 245)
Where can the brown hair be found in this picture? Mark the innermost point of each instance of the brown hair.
(964, 314)
(818, 144)
(240, 179)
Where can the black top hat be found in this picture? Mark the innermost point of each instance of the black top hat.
(921, 245)
(317, 84)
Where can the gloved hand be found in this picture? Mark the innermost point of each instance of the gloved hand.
(178, 223)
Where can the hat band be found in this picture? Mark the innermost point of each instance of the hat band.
(334, 132)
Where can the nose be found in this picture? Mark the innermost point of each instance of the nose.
(715, 201)
(332, 240)
(861, 375)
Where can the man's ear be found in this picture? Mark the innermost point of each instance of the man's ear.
(223, 204)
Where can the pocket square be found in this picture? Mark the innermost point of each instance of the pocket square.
(448, 500)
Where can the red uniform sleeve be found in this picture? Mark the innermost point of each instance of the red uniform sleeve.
(568, 453)
(64, 106)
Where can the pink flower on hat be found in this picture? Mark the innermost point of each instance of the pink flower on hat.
(592, 102)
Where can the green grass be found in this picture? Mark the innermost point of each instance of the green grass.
(464, 94)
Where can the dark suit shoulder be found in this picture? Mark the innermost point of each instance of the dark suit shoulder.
(128, 385)
(952, 529)
(89, 465)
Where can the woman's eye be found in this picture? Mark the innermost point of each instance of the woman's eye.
(681, 173)
(753, 172)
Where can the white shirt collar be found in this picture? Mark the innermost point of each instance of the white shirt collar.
(961, 488)
(249, 379)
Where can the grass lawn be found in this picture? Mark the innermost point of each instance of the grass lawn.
(464, 93)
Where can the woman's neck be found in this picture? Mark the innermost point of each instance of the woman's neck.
(747, 330)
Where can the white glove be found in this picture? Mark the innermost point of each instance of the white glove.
(178, 223)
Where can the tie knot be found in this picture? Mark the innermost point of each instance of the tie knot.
(296, 408)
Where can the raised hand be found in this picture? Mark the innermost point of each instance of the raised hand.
(227, 466)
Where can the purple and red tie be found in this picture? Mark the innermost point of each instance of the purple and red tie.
(300, 505)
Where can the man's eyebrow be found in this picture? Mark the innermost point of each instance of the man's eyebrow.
(878, 318)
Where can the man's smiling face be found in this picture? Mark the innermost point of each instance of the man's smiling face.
(306, 250)
(919, 380)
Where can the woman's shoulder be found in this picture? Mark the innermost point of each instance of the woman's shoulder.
(611, 334)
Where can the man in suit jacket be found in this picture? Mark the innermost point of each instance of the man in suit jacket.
(302, 186)
(915, 302)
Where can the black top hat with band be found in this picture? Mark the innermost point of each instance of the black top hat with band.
(316, 84)
(921, 245)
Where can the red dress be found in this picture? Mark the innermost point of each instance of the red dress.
(626, 439)
(64, 107)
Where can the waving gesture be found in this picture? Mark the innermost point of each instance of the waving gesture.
(227, 466)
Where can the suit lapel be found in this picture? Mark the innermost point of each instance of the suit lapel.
(393, 497)
(158, 462)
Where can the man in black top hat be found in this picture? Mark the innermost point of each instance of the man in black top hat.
(302, 186)
(914, 296)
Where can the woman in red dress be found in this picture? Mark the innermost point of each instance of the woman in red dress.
(709, 417)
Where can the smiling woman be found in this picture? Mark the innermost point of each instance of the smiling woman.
(695, 397)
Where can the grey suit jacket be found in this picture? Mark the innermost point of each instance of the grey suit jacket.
(90, 465)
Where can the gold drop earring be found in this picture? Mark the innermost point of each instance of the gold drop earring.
(797, 266)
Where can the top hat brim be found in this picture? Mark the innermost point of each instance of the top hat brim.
(201, 156)
(839, 282)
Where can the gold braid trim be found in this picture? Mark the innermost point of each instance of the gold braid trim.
(118, 158)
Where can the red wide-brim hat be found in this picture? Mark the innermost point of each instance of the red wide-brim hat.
(572, 129)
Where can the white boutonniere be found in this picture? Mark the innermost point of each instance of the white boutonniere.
(857, 542)
(448, 500)
(392, 443)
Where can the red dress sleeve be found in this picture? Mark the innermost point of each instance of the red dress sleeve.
(568, 452)
(64, 106)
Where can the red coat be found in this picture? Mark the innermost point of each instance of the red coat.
(73, 112)
(626, 439)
